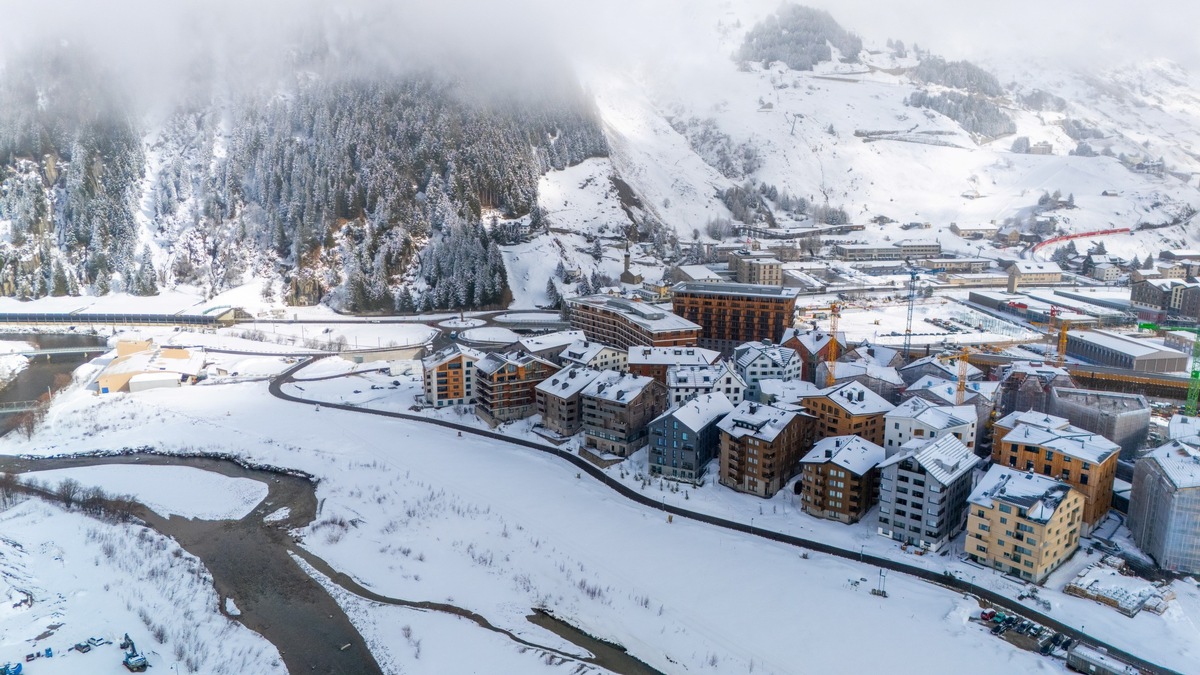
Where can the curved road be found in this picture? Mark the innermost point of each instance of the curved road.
(943, 579)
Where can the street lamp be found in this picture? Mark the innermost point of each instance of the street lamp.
(752, 525)
(860, 552)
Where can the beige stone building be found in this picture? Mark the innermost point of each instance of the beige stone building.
(1022, 523)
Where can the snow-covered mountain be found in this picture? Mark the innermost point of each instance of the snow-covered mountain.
(747, 112)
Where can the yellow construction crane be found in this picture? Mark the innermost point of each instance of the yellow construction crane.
(1064, 325)
(831, 356)
(960, 392)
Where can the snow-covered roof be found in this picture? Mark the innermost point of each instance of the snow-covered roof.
(946, 458)
(812, 340)
(672, 356)
(1034, 267)
(166, 359)
(938, 417)
(450, 353)
(1124, 344)
(843, 370)
(1182, 426)
(856, 399)
(853, 453)
(751, 290)
(555, 340)
(702, 376)
(493, 362)
(1039, 495)
(1069, 440)
(786, 391)
(699, 273)
(697, 413)
(948, 390)
(1038, 369)
(1179, 460)
(648, 317)
(568, 382)
(584, 351)
(617, 387)
(949, 366)
(749, 352)
(763, 422)
(877, 353)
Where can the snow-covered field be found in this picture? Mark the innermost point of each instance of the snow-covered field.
(168, 490)
(497, 529)
(883, 323)
(88, 578)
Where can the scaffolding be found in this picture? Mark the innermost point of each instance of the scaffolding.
(1122, 418)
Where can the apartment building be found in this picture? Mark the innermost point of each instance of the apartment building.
(923, 490)
(560, 399)
(449, 376)
(732, 314)
(1032, 272)
(656, 361)
(685, 382)
(617, 409)
(1164, 510)
(757, 361)
(594, 355)
(935, 366)
(1026, 385)
(549, 346)
(839, 478)
(761, 447)
(685, 439)
(624, 323)
(1049, 445)
(1023, 524)
(919, 418)
(756, 267)
(813, 347)
(505, 386)
(849, 409)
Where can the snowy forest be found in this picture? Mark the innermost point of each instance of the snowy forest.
(343, 187)
(800, 37)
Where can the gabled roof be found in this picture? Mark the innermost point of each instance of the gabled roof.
(493, 362)
(946, 458)
(950, 367)
(778, 356)
(856, 399)
(702, 376)
(584, 351)
(1069, 440)
(846, 369)
(617, 387)
(755, 419)
(787, 391)
(449, 354)
(938, 417)
(697, 413)
(568, 382)
(813, 340)
(1039, 495)
(853, 453)
(948, 391)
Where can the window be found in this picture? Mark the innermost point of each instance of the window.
(983, 527)
(1005, 508)
(1083, 479)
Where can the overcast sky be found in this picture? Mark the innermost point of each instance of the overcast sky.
(152, 36)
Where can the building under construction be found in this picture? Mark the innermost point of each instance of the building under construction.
(1122, 418)
(1026, 385)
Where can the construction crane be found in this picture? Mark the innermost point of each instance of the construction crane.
(831, 355)
(912, 299)
(1193, 396)
(960, 392)
(1064, 325)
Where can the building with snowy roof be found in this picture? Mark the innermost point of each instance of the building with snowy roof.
(1023, 524)
(848, 409)
(1182, 426)
(979, 395)
(1164, 509)
(839, 478)
(617, 407)
(685, 382)
(550, 346)
(735, 313)
(918, 418)
(560, 399)
(1107, 348)
(883, 380)
(923, 490)
(813, 346)
(938, 367)
(763, 360)
(1026, 385)
(1122, 418)
(1051, 446)
(685, 438)
(761, 447)
(449, 376)
(137, 359)
(1032, 272)
(595, 355)
(655, 362)
(624, 323)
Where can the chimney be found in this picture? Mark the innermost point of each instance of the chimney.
(860, 395)
(753, 409)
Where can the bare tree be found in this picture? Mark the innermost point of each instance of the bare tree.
(68, 491)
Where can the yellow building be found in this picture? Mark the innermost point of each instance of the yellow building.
(1023, 524)
(141, 365)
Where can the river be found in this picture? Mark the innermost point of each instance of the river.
(251, 561)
